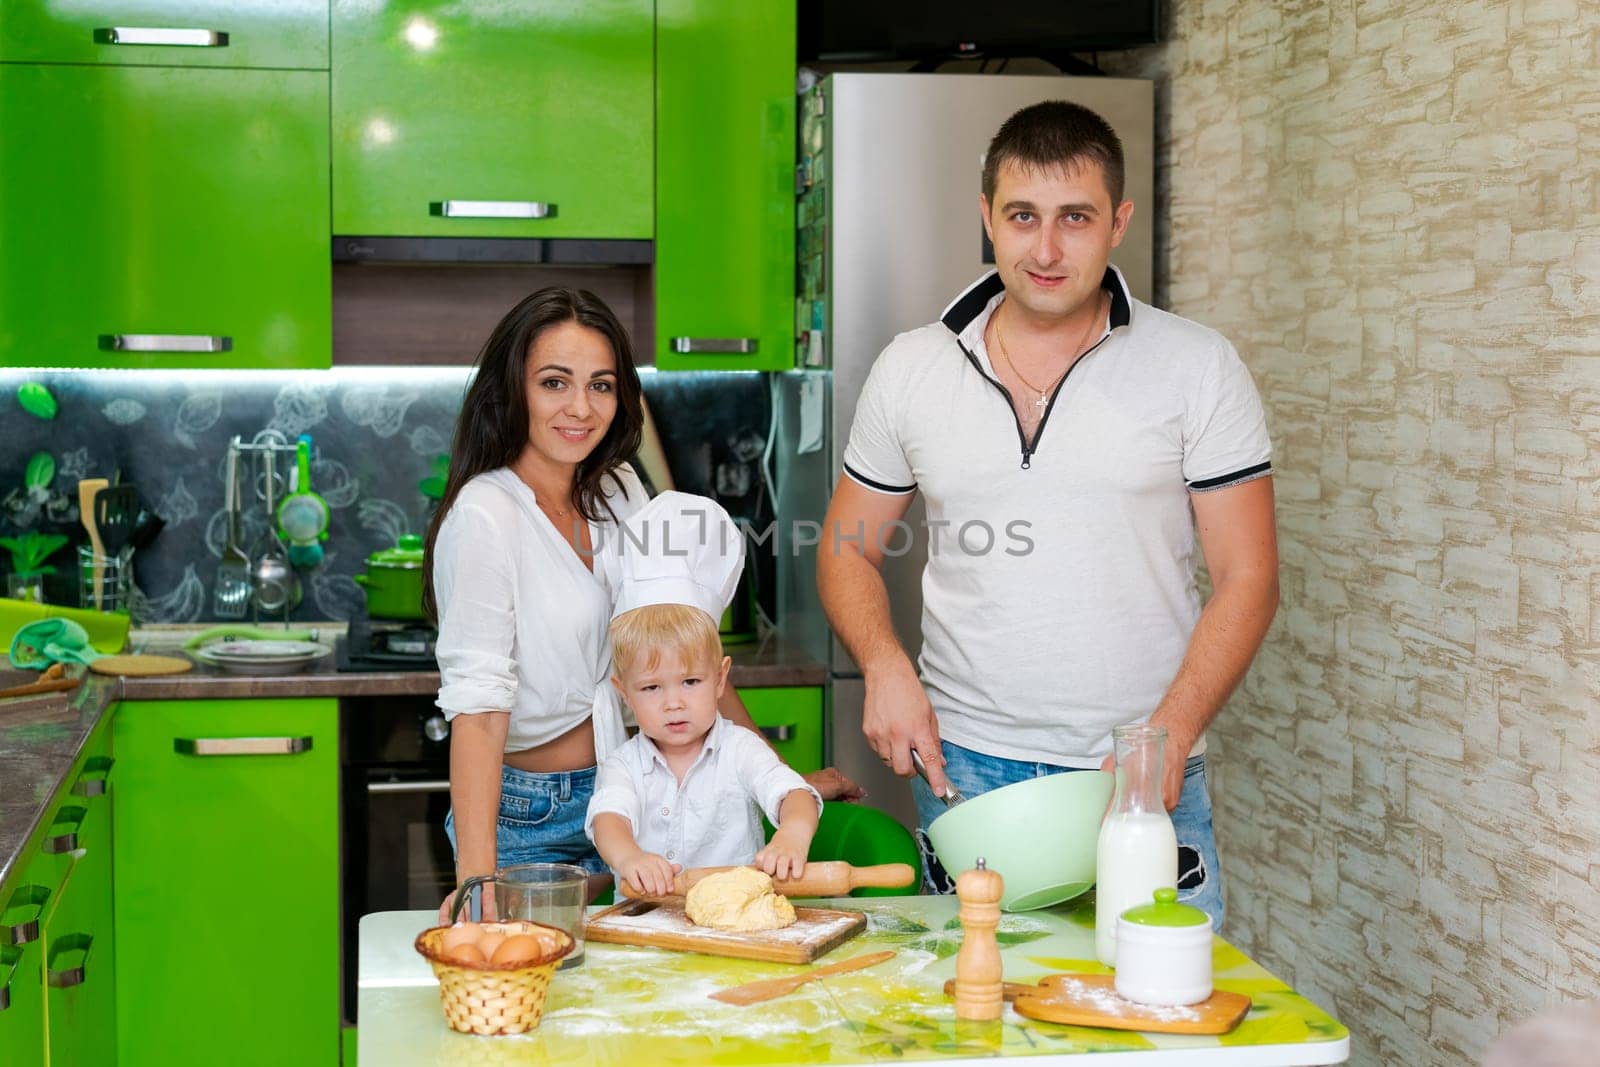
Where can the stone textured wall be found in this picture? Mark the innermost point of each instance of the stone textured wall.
(1393, 209)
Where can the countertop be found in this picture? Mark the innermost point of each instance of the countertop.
(627, 1005)
(41, 737)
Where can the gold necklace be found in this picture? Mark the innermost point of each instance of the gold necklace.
(1044, 395)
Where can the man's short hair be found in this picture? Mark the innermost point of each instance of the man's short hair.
(639, 638)
(1055, 134)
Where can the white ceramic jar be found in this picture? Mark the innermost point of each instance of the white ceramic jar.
(1164, 953)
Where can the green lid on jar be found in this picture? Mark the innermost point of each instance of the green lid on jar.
(1166, 911)
(408, 553)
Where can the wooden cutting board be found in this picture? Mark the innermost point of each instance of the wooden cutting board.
(662, 924)
(1091, 1000)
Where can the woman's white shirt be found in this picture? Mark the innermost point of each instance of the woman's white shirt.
(523, 624)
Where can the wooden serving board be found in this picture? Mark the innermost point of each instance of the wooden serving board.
(662, 924)
(1091, 1000)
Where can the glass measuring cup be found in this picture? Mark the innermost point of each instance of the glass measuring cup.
(554, 894)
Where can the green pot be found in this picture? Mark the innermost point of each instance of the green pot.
(1040, 835)
(394, 580)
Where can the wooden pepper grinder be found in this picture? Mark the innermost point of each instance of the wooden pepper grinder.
(979, 993)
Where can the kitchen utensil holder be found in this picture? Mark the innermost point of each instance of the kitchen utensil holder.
(266, 486)
(116, 580)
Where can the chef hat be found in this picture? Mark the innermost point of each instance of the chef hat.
(679, 549)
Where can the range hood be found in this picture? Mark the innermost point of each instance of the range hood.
(546, 250)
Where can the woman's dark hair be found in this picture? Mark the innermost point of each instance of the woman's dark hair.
(1054, 133)
(492, 429)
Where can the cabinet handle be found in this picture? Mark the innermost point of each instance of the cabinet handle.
(720, 346)
(492, 209)
(94, 780)
(20, 933)
(778, 733)
(161, 36)
(67, 977)
(5, 990)
(240, 746)
(436, 786)
(165, 342)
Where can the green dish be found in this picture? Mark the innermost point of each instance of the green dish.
(1040, 835)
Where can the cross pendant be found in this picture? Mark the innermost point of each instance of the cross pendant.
(1041, 402)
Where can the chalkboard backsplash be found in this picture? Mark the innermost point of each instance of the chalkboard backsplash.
(376, 433)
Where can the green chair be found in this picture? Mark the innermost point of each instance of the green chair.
(863, 837)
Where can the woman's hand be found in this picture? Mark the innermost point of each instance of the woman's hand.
(834, 785)
(490, 912)
(649, 874)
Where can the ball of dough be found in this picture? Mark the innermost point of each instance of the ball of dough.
(740, 900)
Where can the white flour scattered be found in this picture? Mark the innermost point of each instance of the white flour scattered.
(1107, 1001)
(809, 925)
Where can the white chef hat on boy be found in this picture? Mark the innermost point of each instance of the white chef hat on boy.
(679, 549)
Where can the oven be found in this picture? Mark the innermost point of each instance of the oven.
(395, 792)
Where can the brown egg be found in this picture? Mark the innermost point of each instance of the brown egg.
(468, 955)
(519, 947)
(459, 934)
(490, 941)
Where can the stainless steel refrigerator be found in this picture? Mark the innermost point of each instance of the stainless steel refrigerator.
(889, 233)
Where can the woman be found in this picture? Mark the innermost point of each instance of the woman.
(538, 479)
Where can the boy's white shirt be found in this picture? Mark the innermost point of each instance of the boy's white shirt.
(711, 820)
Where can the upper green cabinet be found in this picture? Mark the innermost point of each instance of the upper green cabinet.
(725, 106)
(163, 217)
(289, 34)
(491, 118)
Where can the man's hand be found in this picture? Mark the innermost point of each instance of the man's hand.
(1171, 776)
(833, 784)
(897, 718)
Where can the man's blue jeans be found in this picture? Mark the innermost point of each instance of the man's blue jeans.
(1199, 875)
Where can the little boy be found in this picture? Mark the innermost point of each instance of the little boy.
(685, 791)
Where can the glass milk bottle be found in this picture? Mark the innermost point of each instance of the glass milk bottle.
(1138, 851)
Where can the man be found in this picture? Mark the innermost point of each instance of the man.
(1072, 445)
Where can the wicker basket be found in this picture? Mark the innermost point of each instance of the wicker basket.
(505, 998)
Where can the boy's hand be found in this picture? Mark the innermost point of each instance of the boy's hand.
(785, 855)
(650, 874)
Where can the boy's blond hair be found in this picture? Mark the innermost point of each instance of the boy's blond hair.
(639, 638)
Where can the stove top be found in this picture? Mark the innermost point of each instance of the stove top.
(378, 645)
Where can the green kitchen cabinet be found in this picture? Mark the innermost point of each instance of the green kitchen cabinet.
(57, 979)
(479, 118)
(725, 155)
(227, 881)
(166, 33)
(164, 217)
(79, 950)
(791, 718)
(24, 907)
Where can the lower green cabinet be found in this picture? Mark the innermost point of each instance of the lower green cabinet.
(57, 946)
(22, 978)
(791, 718)
(227, 868)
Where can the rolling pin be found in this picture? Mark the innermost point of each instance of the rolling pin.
(828, 878)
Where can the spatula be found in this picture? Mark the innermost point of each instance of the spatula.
(115, 509)
(828, 878)
(770, 988)
(231, 592)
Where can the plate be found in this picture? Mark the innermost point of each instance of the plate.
(264, 649)
(253, 663)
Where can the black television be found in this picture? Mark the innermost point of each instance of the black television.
(867, 30)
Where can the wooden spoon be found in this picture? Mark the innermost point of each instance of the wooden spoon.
(53, 680)
(88, 488)
(771, 988)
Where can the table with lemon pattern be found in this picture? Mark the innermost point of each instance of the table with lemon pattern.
(631, 1006)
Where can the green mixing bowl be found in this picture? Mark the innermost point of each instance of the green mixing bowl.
(1040, 835)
